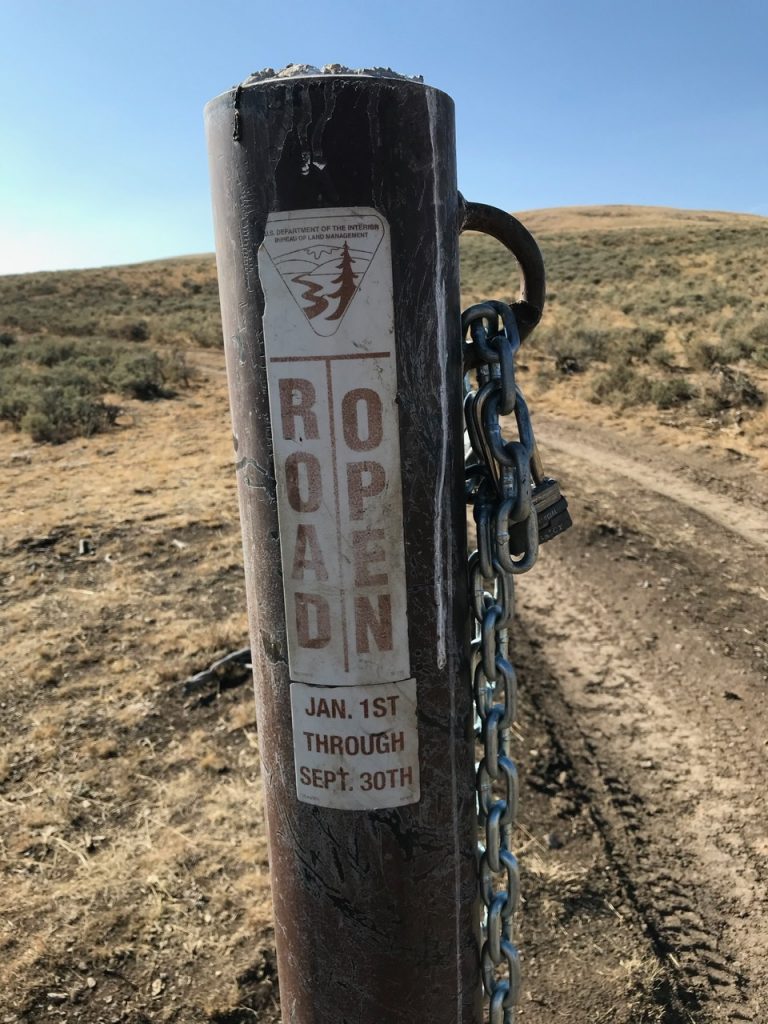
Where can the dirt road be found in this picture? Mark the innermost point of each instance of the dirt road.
(643, 637)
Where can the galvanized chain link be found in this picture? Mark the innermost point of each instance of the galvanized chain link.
(501, 477)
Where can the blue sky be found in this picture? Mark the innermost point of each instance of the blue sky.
(558, 103)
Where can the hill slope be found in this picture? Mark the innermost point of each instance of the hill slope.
(647, 307)
(618, 217)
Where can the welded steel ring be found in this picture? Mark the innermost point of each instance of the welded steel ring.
(511, 233)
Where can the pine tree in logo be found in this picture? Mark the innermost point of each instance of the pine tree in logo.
(346, 282)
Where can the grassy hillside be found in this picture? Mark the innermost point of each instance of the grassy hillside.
(665, 309)
(647, 307)
(133, 856)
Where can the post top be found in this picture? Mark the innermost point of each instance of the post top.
(310, 71)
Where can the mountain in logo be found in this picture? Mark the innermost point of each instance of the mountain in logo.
(323, 279)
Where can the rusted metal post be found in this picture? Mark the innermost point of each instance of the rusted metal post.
(337, 220)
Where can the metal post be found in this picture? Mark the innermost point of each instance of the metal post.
(335, 206)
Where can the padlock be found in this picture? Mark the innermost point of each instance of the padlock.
(551, 509)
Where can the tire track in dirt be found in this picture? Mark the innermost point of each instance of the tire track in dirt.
(748, 522)
(657, 696)
(613, 810)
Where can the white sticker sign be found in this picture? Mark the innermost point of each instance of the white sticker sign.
(332, 376)
(356, 747)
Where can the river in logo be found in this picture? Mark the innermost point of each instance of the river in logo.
(324, 276)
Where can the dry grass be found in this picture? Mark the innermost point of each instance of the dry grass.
(663, 313)
(133, 849)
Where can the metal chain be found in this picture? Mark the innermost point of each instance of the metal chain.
(500, 478)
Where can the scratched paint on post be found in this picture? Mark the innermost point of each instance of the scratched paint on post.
(356, 747)
(332, 376)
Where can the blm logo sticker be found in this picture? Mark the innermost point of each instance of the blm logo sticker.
(323, 261)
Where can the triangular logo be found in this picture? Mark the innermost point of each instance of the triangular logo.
(325, 273)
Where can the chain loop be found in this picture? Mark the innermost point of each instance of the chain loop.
(500, 475)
